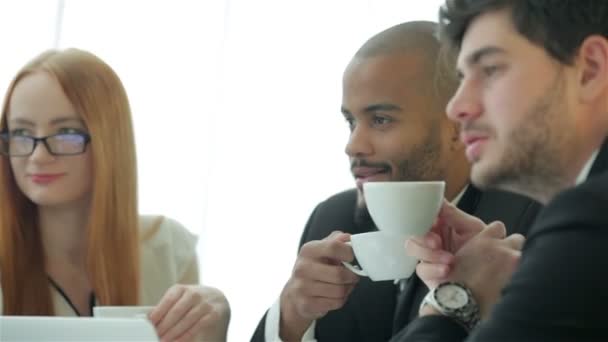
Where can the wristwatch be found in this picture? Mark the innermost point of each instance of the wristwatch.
(455, 301)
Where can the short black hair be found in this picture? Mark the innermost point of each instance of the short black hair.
(559, 26)
(418, 37)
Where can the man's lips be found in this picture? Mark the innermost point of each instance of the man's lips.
(364, 174)
(473, 143)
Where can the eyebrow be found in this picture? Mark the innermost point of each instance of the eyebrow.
(54, 122)
(479, 54)
(59, 121)
(376, 107)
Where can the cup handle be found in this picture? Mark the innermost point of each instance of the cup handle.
(355, 269)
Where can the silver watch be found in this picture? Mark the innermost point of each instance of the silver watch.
(455, 301)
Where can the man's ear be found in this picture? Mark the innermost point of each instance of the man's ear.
(593, 65)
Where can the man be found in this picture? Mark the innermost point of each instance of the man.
(393, 100)
(533, 110)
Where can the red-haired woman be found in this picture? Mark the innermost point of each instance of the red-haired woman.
(70, 234)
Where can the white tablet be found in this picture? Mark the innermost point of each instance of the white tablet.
(30, 328)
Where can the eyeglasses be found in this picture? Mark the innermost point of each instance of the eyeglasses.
(62, 144)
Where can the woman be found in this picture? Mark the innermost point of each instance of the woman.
(70, 234)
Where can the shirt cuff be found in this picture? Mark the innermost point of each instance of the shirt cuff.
(273, 321)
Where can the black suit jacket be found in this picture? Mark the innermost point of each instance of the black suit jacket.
(368, 313)
(560, 289)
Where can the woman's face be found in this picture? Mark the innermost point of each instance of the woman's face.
(39, 108)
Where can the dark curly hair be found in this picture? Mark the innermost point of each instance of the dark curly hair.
(559, 26)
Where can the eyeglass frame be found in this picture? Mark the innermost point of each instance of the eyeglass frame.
(7, 135)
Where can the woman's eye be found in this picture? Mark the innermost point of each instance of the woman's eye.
(19, 132)
(68, 130)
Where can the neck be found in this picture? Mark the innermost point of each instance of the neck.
(63, 234)
(455, 181)
(543, 189)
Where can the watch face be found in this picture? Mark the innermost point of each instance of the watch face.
(452, 296)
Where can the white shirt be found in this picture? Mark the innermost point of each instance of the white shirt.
(273, 317)
(582, 176)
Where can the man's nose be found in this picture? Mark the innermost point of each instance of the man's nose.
(359, 142)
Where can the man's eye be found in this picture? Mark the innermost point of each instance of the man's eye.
(350, 122)
(489, 71)
(380, 120)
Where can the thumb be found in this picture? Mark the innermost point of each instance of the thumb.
(458, 220)
(338, 236)
(515, 241)
(495, 230)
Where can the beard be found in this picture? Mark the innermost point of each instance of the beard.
(422, 164)
(532, 157)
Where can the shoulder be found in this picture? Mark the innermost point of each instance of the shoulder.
(517, 212)
(168, 252)
(585, 204)
(163, 237)
(161, 230)
(334, 213)
(344, 201)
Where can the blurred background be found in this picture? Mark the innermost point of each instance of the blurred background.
(237, 117)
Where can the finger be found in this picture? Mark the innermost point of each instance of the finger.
(200, 327)
(333, 235)
(177, 312)
(430, 240)
(432, 274)
(437, 225)
(338, 236)
(334, 249)
(426, 254)
(167, 301)
(460, 221)
(187, 322)
(323, 290)
(314, 270)
(495, 229)
(206, 329)
(433, 240)
(319, 306)
(515, 241)
(513, 258)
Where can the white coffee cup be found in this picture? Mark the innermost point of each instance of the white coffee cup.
(404, 208)
(381, 256)
(121, 311)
